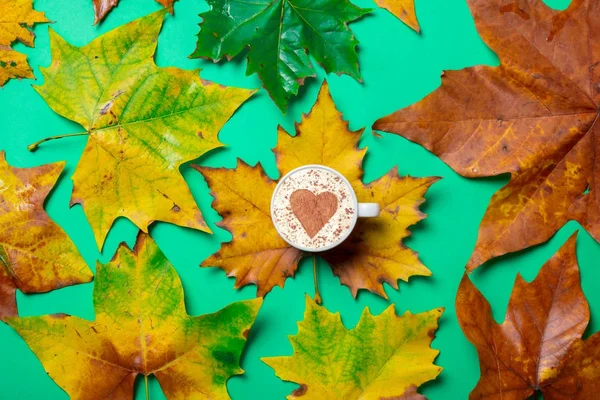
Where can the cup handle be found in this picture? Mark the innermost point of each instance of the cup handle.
(368, 210)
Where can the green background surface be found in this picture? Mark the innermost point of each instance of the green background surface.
(399, 67)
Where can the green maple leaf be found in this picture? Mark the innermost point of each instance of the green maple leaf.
(280, 34)
(143, 123)
(383, 357)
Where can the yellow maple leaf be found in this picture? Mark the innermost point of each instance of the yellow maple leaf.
(15, 17)
(383, 357)
(373, 253)
(35, 254)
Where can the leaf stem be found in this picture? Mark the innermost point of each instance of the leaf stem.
(318, 298)
(147, 392)
(34, 146)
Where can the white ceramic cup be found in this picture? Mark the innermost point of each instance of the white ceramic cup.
(362, 210)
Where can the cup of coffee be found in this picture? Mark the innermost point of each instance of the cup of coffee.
(314, 208)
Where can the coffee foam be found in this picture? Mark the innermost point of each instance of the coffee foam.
(317, 181)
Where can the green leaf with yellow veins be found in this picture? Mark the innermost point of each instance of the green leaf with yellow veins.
(36, 255)
(143, 123)
(383, 357)
(280, 35)
(141, 327)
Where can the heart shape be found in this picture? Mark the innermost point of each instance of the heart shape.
(313, 211)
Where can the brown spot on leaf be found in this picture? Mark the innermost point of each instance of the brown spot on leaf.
(104, 110)
(301, 391)
(431, 333)
(409, 394)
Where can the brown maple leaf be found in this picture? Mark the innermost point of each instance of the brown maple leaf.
(103, 7)
(35, 254)
(372, 255)
(539, 346)
(534, 116)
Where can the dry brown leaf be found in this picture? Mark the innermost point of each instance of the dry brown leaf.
(534, 117)
(539, 346)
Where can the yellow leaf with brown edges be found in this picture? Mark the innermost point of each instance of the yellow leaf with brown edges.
(372, 255)
(403, 9)
(383, 357)
(15, 17)
(35, 254)
(141, 327)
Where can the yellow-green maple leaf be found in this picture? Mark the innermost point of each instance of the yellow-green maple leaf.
(374, 252)
(36, 255)
(143, 123)
(15, 17)
(383, 357)
(141, 327)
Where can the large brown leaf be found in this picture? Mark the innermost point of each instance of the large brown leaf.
(374, 252)
(539, 346)
(535, 117)
(36, 255)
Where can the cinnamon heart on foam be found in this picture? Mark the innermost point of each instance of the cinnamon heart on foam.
(313, 211)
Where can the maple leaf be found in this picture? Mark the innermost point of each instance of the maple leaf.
(280, 35)
(534, 116)
(141, 327)
(143, 123)
(103, 7)
(15, 17)
(373, 253)
(35, 254)
(539, 346)
(403, 9)
(384, 356)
